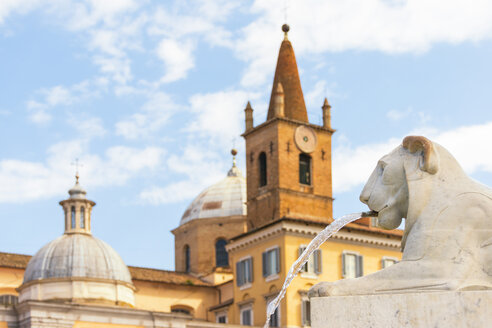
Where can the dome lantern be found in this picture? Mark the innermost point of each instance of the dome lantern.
(78, 210)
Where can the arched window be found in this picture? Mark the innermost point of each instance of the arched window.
(82, 217)
(221, 257)
(73, 217)
(183, 309)
(263, 169)
(187, 258)
(305, 169)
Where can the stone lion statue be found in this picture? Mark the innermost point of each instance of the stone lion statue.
(447, 242)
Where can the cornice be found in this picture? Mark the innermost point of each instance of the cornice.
(287, 120)
(297, 228)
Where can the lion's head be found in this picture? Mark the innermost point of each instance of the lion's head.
(386, 191)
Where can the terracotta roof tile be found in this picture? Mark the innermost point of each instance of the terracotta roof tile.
(10, 260)
(170, 277)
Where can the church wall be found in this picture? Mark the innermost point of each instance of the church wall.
(86, 324)
(10, 279)
(262, 200)
(163, 297)
(304, 201)
(201, 235)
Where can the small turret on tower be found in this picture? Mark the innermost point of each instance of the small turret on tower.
(248, 113)
(326, 114)
(278, 101)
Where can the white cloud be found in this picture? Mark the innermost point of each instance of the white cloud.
(329, 26)
(22, 7)
(398, 115)
(219, 115)
(195, 176)
(177, 58)
(39, 110)
(24, 181)
(88, 127)
(353, 165)
(153, 115)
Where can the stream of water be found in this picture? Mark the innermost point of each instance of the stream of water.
(313, 245)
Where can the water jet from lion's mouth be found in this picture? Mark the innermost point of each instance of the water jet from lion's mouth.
(320, 238)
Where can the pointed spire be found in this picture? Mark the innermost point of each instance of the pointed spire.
(326, 114)
(287, 74)
(248, 113)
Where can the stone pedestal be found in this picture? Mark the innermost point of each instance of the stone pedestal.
(434, 309)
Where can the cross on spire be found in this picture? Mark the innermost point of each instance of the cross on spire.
(77, 166)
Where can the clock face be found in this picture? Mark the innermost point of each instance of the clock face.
(305, 139)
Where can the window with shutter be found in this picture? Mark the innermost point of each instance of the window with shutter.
(313, 264)
(271, 262)
(305, 266)
(305, 312)
(317, 261)
(350, 265)
(244, 272)
(360, 266)
(246, 316)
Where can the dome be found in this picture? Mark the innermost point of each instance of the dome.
(77, 267)
(225, 198)
(77, 255)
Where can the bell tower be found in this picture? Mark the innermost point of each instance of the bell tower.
(288, 162)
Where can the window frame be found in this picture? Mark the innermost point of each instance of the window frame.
(73, 217)
(277, 312)
(182, 309)
(82, 217)
(309, 167)
(221, 314)
(226, 263)
(187, 258)
(316, 261)
(247, 282)
(265, 256)
(359, 264)
(244, 308)
(388, 258)
(262, 169)
(305, 311)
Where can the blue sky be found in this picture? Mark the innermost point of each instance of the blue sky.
(149, 95)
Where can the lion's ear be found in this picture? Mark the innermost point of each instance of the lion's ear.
(430, 158)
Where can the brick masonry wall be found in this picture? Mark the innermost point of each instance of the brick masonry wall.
(284, 195)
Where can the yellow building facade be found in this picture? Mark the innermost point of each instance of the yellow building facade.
(234, 245)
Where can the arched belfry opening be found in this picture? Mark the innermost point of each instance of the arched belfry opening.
(305, 169)
(262, 162)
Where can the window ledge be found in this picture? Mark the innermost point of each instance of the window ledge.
(309, 275)
(245, 286)
(271, 277)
